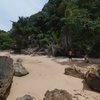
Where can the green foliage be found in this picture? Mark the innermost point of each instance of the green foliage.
(5, 41)
(55, 38)
(69, 23)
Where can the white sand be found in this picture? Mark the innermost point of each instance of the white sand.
(45, 74)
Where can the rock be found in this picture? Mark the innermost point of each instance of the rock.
(74, 72)
(6, 76)
(92, 78)
(26, 97)
(57, 95)
(19, 60)
(19, 70)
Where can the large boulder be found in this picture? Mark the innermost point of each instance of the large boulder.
(57, 95)
(92, 78)
(26, 97)
(75, 72)
(6, 76)
(19, 70)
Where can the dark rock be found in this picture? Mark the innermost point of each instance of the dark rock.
(92, 79)
(74, 72)
(6, 76)
(57, 95)
(26, 97)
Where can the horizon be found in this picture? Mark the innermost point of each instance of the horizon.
(12, 10)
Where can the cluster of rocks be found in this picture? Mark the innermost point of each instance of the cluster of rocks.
(91, 76)
(56, 94)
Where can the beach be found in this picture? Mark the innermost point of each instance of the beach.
(46, 74)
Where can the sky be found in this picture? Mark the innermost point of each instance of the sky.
(10, 10)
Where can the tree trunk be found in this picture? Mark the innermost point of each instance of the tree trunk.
(66, 42)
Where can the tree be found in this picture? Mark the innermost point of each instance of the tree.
(20, 32)
(5, 40)
(71, 24)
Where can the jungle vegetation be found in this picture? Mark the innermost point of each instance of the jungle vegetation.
(68, 24)
(5, 40)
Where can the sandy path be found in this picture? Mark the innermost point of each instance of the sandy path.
(45, 74)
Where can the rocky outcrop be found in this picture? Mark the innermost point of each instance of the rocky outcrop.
(19, 70)
(6, 76)
(74, 72)
(57, 95)
(91, 75)
(92, 78)
(26, 97)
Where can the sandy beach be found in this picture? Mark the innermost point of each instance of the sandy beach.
(46, 74)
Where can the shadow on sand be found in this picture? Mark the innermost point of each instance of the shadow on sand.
(76, 61)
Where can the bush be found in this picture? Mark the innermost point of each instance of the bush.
(5, 41)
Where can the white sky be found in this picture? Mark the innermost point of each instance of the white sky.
(11, 9)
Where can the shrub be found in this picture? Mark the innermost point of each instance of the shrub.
(5, 41)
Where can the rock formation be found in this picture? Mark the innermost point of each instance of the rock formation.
(74, 72)
(6, 76)
(19, 70)
(92, 78)
(57, 95)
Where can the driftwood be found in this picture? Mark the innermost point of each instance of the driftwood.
(54, 50)
(34, 51)
(57, 95)
(29, 51)
(92, 78)
(6, 76)
(51, 50)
